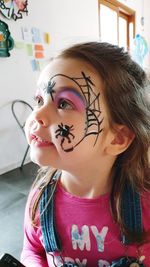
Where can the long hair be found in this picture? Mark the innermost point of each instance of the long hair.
(126, 92)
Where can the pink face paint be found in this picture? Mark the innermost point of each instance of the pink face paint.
(74, 97)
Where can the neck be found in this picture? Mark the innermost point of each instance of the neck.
(91, 184)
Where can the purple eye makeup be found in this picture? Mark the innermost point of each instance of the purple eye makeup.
(72, 97)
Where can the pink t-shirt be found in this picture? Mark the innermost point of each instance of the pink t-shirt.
(87, 231)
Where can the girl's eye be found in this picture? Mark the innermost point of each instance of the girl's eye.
(39, 101)
(65, 104)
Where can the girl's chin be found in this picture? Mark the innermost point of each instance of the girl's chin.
(39, 162)
(44, 161)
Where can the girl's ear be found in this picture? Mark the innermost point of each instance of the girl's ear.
(121, 139)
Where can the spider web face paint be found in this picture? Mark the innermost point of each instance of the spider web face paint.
(93, 112)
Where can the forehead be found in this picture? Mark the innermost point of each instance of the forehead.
(71, 69)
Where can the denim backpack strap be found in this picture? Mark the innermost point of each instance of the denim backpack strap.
(47, 217)
(131, 211)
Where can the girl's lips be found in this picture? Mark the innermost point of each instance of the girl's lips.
(40, 142)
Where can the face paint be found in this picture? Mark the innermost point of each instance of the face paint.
(48, 89)
(75, 99)
(88, 100)
(64, 131)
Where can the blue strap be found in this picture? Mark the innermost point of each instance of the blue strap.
(47, 216)
(131, 211)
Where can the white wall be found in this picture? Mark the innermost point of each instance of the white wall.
(74, 21)
(67, 21)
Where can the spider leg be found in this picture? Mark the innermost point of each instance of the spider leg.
(57, 131)
(68, 138)
(72, 135)
(71, 127)
(57, 135)
(62, 141)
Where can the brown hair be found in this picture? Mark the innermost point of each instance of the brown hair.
(126, 95)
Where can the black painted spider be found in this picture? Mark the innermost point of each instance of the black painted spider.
(65, 132)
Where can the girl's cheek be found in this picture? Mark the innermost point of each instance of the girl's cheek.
(28, 125)
(27, 130)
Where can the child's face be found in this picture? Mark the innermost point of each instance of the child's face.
(69, 124)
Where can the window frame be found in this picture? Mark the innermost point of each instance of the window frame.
(122, 11)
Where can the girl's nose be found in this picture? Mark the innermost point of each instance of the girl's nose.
(42, 116)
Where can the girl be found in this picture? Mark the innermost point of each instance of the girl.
(91, 123)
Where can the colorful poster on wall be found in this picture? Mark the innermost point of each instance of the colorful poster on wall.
(35, 43)
(13, 8)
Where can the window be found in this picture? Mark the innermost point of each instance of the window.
(116, 23)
